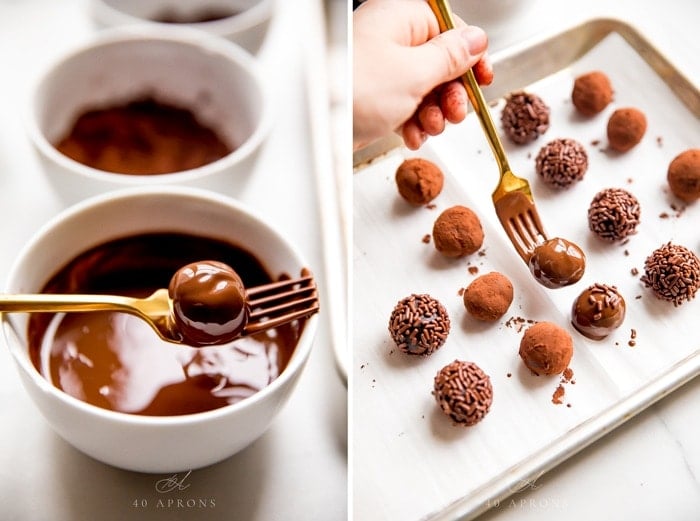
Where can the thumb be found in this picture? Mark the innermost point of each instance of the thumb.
(449, 55)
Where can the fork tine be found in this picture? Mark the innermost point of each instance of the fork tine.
(286, 306)
(535, 225)
(520, 245)
(281, 302)
(276, 286)
(257, 327)
(286, 295)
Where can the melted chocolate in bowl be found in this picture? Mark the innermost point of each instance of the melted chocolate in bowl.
(115, 361)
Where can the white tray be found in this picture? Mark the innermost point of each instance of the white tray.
(410, 462)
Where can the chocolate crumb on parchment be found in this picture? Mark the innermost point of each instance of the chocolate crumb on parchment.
(519, 323)
(558, 395)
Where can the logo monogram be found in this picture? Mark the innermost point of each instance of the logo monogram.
(171, 483)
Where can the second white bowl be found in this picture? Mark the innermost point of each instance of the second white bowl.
(215, 79)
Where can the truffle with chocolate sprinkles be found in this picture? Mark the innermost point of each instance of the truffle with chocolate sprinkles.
(525, 117)
(614, 214)
(464, 392)
(562, 162)
(419, 325)
(673, 273)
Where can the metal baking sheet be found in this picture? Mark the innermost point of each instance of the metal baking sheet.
(410, 462)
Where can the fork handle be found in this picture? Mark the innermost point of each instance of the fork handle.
(54, 303)
(443, 13)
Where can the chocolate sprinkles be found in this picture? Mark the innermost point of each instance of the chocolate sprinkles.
(525, 117)
(613, 214)
(419, 325)
(463, 392)
(603, 297)
(562, 162)
(673, 273)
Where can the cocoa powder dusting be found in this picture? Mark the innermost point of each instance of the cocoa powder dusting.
(142, 137)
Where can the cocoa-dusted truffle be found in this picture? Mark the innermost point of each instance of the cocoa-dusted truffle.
(673, 273)
(419, 325)
(546, 348)
(626, 127)
(525, 117)
(488, 296)
(419, 181)
(598, 311)
(684, 175)
(613, 214)
(562, 162)
(592, 92)
(457, 232)
(463, 392)
(557, 263)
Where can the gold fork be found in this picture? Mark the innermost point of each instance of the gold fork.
(270, 305)
(512, 198)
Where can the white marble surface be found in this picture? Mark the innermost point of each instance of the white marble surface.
(648, 469)
(280, 476)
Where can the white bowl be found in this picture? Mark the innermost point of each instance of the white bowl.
(150, 443)
(248, 27)
(217, 80)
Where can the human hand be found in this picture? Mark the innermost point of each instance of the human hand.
(404, 71)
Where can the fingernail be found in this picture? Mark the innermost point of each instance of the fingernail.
(476, 39)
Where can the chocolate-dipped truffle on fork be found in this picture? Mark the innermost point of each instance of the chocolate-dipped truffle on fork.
(515, 206)
(206, 304)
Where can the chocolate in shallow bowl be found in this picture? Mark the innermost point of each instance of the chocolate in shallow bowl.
(213, 82)
(144, 442)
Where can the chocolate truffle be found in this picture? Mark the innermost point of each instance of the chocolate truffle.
(463, 392)
(546, 348)
(457, 232)
(626, 127)
(525, 117)
(598, 311)
(557, 263)
(673, 273)
(613, 214)
(419, 325)
(488, 296)
(592, 92)
(209, 303)
(562, 162)
(684, 175)
(419, 181)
